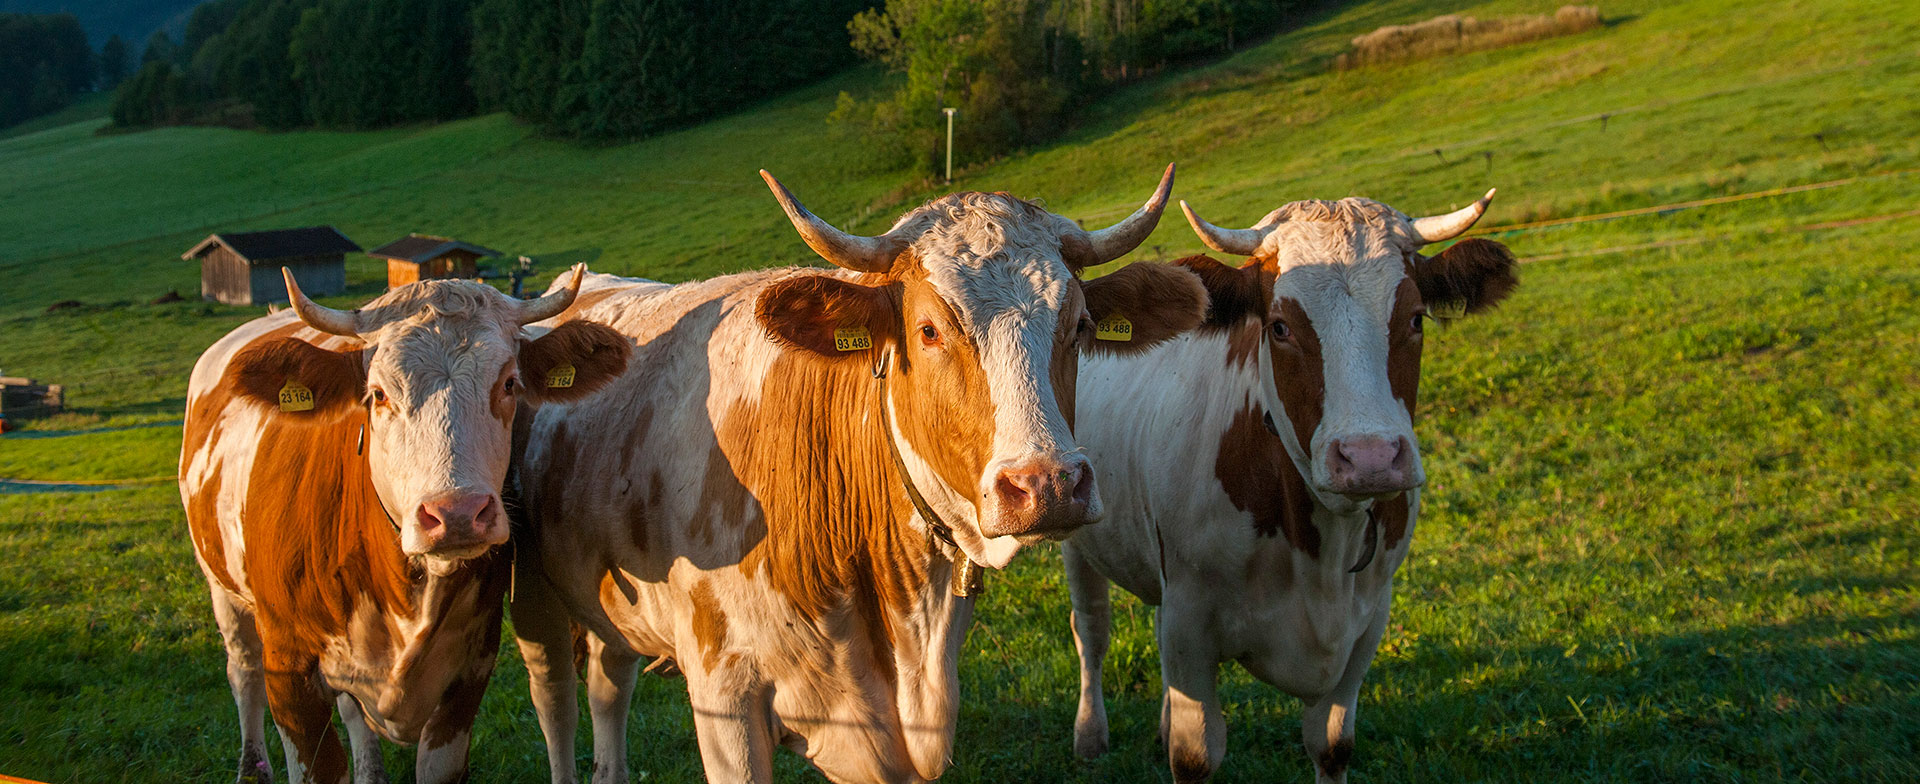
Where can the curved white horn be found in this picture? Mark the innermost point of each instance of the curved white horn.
(852, 251)
(1453, 224)
(1239, 242)
(552, 304)
(320, 317)
(1121, 238)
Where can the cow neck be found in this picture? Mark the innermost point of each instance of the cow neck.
(968, 578)
(1372, 543)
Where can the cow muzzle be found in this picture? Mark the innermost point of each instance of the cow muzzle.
(1040, 498)
(1371, 466)
(458, 524)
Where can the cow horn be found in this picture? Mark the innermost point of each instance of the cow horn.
(1118, 240)
(320, 317)
(1438, 228)
(1239, 242)
(554, 303)
(852, 251)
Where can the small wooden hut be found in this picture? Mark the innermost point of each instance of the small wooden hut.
(417, 257)
(243, 268)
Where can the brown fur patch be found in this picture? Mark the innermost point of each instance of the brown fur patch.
(1233, 295)
(1162, 301)
(1299, 372)
(1189, 765)
(1474, 275)
(709, 623)
(1259, 477)
(803, 311)
(337, 378)
(597, 352)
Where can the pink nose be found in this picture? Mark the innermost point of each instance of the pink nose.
(1041, 497)
(459, 520)
(1369, 465)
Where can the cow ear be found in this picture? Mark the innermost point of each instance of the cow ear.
(826, 315)
(1233, 294)
(298, 378)
(1471, 276)
(1142, 304)
(572, 361)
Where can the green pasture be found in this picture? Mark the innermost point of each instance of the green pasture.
(1673, 519)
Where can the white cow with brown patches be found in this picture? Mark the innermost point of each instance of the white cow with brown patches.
(791, 490)
(1262, 474)
(341, 475)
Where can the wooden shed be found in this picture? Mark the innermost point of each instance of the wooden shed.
(23, 398)
(417, 257)
(243, 268)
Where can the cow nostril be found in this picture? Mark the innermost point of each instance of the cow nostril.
(1015, 490)
(1082, 484)
(428, 519)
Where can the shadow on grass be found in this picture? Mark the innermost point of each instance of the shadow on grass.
(1826, 699)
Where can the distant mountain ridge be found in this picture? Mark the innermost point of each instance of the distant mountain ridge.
(132, 20)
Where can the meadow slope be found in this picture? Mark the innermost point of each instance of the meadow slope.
(1673, 517)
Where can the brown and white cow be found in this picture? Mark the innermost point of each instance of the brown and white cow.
(341, 475)
(776, 494)
(1262, 473)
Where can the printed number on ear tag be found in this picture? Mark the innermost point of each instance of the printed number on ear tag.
(560, 377)
(294, 397)
(1113, 327)
(852, 339)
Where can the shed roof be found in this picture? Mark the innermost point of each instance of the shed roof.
(418, 248)
(278, 243)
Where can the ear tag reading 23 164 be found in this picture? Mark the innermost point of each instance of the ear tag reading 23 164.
(852, 339)
(294, 397)
(560, 377)
(1113, 327)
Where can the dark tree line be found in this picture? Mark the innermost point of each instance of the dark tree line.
(44, 62)
(583, 68)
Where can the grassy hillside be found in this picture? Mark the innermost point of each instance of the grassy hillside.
(1672, 524)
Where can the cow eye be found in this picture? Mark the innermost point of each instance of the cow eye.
(1085, 326)
(1420, 322)
(379, 396)
(928, 334)
(1281, 331)
(509, 384)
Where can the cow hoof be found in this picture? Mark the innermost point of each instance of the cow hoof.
(1090, 745)
(255, 771)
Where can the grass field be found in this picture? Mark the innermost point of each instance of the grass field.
(1673, 521)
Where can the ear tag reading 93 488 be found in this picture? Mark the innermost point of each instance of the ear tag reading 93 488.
(560, 377)
(1113, 327)
(852, 339)
(294, 397)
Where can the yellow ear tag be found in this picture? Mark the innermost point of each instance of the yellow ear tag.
(1113, 327)
(852, 339)
(560, 377)
(294, 397)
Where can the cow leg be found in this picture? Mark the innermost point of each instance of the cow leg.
(1092, 629)
(545, 636)
(732, 712)
(1196, 730)
(442, 755)
(303, 713)
(1327, 726)
(368, 768)
(242, 641)
(611, 673)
